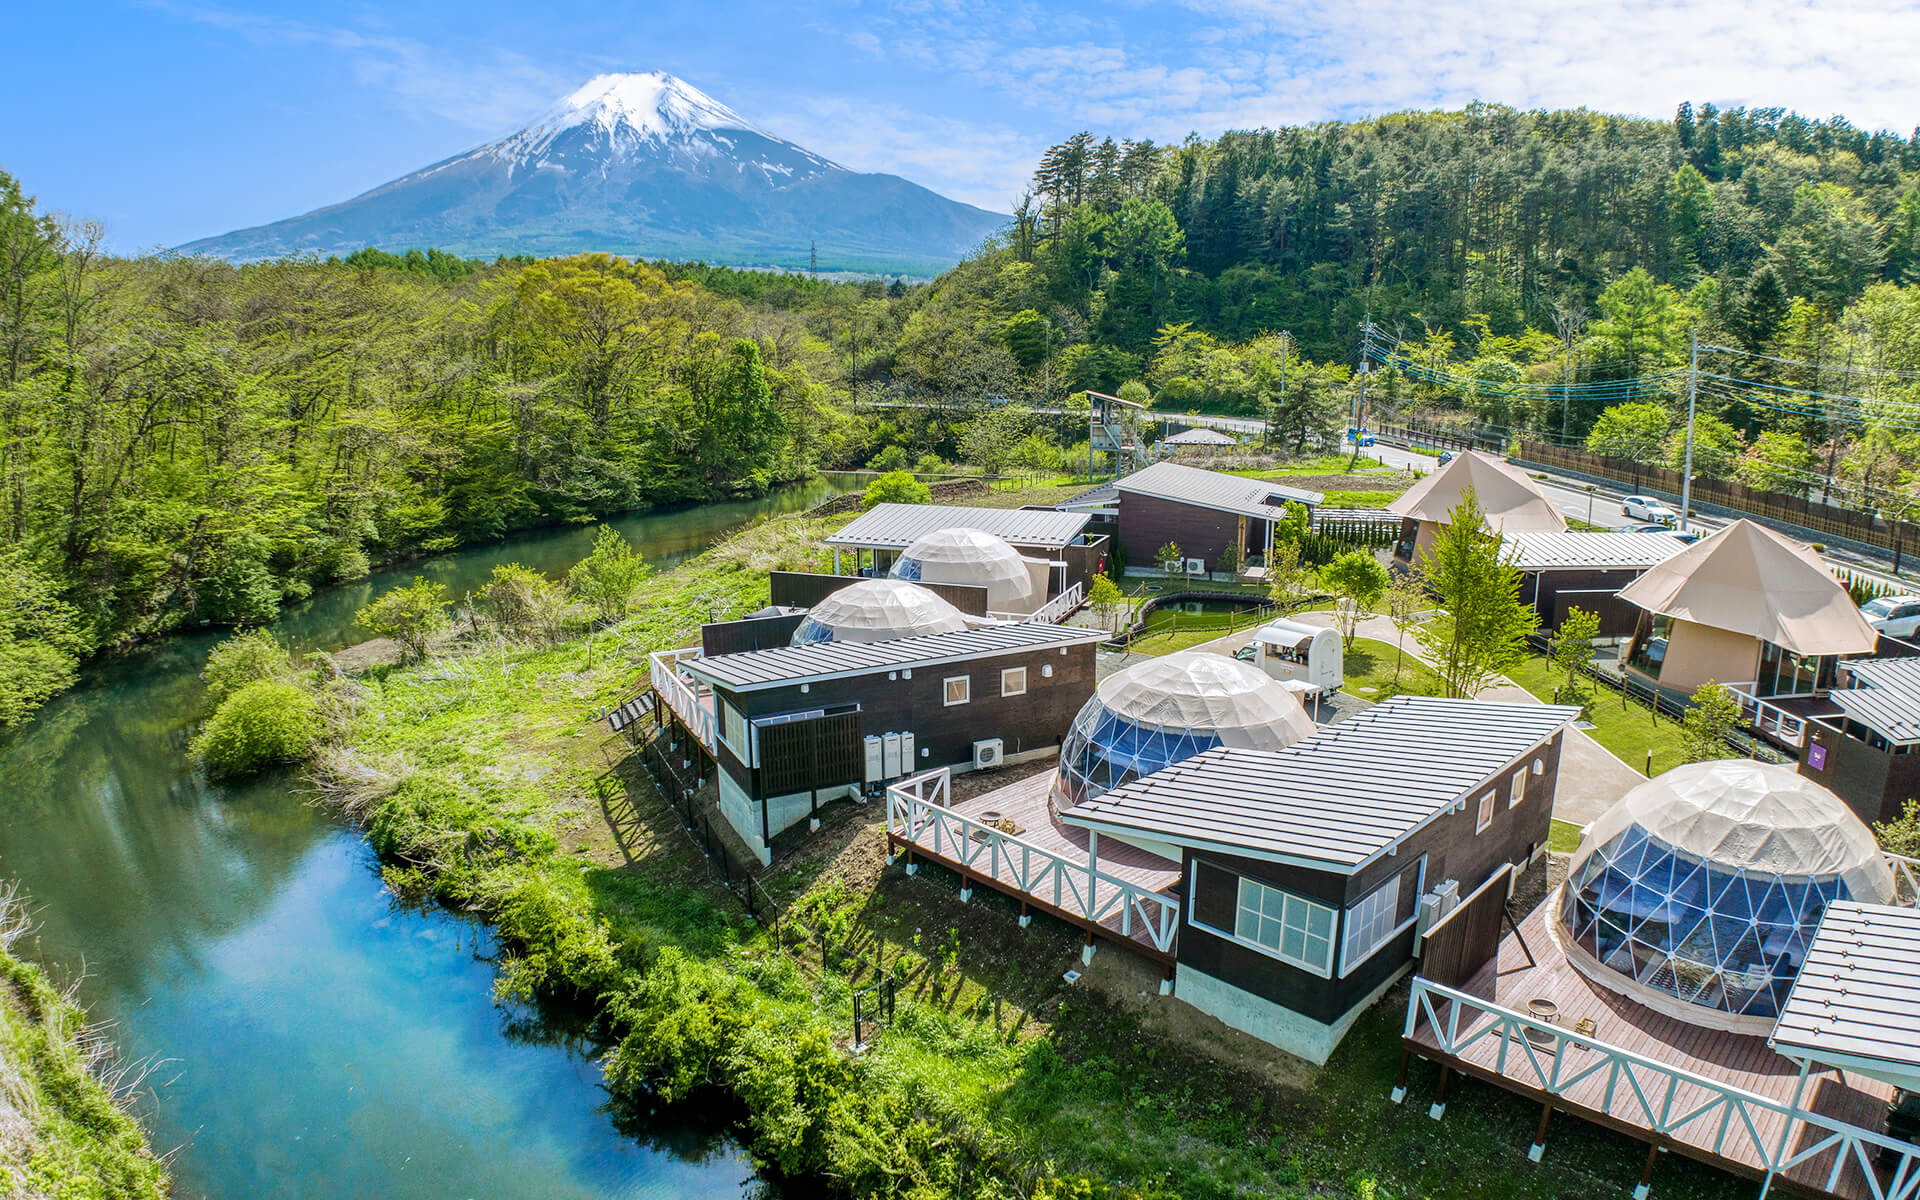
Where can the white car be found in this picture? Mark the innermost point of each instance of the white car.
(1648, 509)
(1895, 616)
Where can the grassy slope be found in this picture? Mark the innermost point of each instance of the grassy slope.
(485, 779)
(61, 1135)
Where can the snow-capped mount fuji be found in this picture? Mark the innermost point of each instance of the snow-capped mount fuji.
(642, 165)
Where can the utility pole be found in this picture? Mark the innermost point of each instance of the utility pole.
(1360, 397)
(1046, 368)
(1693, 389)
(1569, 321)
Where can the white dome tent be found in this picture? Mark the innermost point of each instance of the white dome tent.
(878, 610)
(972, 556)
(1698, 892)
(1166, 710)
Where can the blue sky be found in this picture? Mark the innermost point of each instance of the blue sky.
(174, 119)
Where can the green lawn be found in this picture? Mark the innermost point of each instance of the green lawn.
(1625, 727)
(1169, 630)
(1375, 671)
(1564, 838)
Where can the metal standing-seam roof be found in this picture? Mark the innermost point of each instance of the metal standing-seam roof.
(1856, 1002)
(1889, 701)
(897, 526)
(754, 669)
(1182, 484)
(1335, 800)
(1547, 551)
(1200, 437)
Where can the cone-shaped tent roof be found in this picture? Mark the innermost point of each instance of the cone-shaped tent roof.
(1194, 689)
(972, 556)
(878, 610)
(1513, 502)
(1749, 579)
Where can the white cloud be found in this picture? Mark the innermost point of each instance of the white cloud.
(488, 91)
(978, 163)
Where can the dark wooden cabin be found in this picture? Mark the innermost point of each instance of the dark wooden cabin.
(1564, 571)
(1307, 869)
(797, 727)
(1202, 512)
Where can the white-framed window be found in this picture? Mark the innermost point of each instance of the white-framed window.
(1484, 816)
(1013, 681)
(956, 689)
(1518, 791)
(1291, 928)
(1371, 923)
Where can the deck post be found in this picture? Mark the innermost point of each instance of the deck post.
(1166, 982)
(966, 887)
(912, 866)
(1399, 1093)
(836, 561)
(1539, 1146)
(1086, 951)
(1026, 918)
(1646, 1175)
(1438, 1108)
(1786, 1128)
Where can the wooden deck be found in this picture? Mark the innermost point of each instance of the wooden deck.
(1624, 1094)
(1126, 898)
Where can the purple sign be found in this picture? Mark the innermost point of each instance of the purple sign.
(1817, 757)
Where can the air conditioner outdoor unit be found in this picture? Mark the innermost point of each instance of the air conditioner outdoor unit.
(990, 752)
(1196, 566)
(1436, 904)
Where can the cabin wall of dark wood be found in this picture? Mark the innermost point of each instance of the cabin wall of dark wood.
(800, 589)
(1148, 523)
(1876, 784)
(1552, 593)
(1452, 850)
(1085, 561)
(944, 734)
(752, 633)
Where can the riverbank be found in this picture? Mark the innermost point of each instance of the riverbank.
(64, 1132)
(484, 780)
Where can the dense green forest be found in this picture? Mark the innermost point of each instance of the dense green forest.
(182, 440)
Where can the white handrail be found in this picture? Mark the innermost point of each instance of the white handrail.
(1029, 868)
(1652, 1092)
(1769, 717)
(663, 670)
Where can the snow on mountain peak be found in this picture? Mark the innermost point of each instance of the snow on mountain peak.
(630, 110)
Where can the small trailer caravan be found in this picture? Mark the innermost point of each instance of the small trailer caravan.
(1297, 652)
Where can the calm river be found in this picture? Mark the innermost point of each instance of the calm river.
(319, 1040)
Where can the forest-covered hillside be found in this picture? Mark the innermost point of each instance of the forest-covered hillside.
(183, 440)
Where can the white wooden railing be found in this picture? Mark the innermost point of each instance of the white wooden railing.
(664, 670)
(917, 812)
(1769, 718)
(1051, 613)
(1660, 1098)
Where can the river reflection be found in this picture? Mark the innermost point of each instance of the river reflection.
(320, 1040)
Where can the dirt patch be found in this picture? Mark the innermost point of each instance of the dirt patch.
(1394, 482)
(364, 656)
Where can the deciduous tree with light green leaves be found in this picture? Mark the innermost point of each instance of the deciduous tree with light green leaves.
(1105, 597)
(1573, 650)
(896, 487)
(412, 615)
(1636, 431)
(1480, 627)
(608, 580)
(1713, 714)
(1357, 581)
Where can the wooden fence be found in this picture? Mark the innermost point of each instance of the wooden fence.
(1829, 520)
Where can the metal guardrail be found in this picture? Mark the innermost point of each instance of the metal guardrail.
(917, 812)
(1662, 1099)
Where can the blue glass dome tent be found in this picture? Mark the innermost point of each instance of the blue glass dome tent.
(1166, 710)
(1698, 892)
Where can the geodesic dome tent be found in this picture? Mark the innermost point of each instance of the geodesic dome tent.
(971, 556)
(1166, 710)
(878, 610)
(1698, 892)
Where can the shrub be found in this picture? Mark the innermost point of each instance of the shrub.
(242, 659)
(896, 487)
(410, 615)
(523, 602)
(610, 578)
(1709, 719)
(263, 724)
